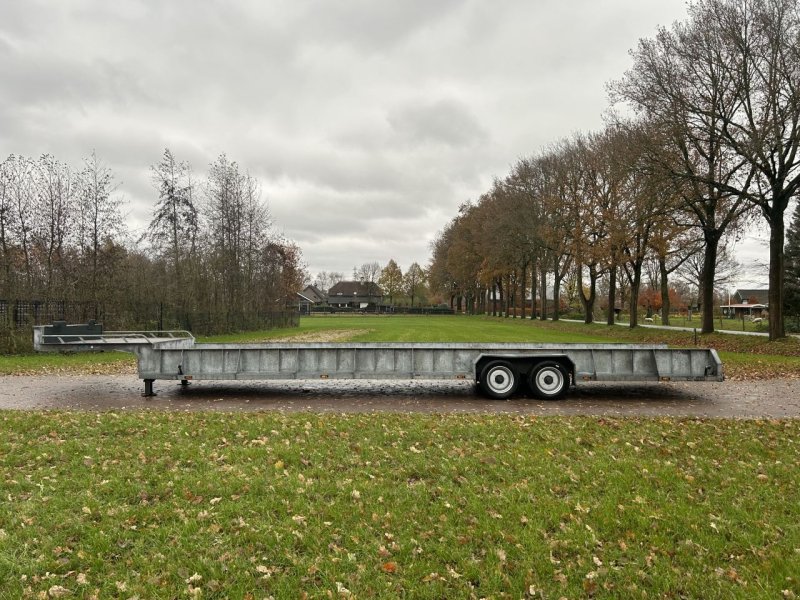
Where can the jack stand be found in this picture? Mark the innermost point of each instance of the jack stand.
(185, 383)
(148, 388)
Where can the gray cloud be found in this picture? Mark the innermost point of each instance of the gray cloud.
(367, 123)
(444, 121)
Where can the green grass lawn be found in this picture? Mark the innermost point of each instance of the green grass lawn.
(413, 328)
(175, 505)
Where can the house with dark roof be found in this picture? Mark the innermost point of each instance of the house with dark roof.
(747, 303)
(358, 295)
(311, 296)
(745, 296)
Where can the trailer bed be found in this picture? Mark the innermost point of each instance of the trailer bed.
(499, 368)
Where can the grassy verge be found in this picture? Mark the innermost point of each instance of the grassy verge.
(89, 363)
(385, 506)
(723, 324)
(745, 357)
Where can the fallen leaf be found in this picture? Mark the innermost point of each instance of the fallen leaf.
(389, 567)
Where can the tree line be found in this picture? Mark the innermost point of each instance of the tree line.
(702, 138)
(209, 249)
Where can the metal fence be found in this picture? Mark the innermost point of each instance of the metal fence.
(23, 314)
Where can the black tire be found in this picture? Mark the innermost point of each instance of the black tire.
(549, 380)
(499, 380)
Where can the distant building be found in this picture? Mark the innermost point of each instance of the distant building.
(747, 303)
(355, 294)
(310, 297)
(744, 296)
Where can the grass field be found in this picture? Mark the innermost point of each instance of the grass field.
(404, 328)
(154, 505)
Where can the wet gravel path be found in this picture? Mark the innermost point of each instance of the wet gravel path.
(754, 399)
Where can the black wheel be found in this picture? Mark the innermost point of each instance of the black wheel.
(499, 380)
(549, 380)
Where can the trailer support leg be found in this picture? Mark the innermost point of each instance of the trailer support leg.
(148, 388)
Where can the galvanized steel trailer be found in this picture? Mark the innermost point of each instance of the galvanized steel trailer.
(499, 369)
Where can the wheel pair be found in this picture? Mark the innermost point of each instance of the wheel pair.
(547, 379)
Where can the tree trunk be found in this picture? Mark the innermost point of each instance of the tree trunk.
(556, 291)
(588, 301)
(635, 285)
(511, 301)
(776, 271)
(543, 292)
(522, 303)
(707, 280)
(612, 294)
(662, 267)
(533, 289)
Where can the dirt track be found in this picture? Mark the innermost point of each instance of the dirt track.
(769, 399)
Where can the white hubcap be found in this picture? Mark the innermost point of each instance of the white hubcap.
(501, 380)
(549, 381)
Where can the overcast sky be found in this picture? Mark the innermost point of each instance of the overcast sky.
(367, 122)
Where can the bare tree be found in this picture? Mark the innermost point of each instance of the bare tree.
(6, 220)
(325, 280)
(21, 199)
(368, 273)
(647, 199)
(681, 86)
(762, 43)
(238, 223)
(724, 88)
(335, 277)
(99, 221)
(174, 228)
(53, 219)
(322, 281)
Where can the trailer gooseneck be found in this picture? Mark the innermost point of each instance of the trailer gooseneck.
(499, 369)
